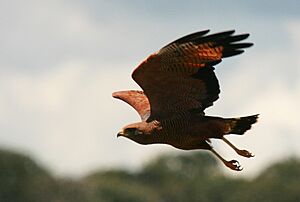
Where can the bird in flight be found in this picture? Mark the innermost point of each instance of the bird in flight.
(178, 84)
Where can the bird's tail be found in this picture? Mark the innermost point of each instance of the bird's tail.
(240, 125)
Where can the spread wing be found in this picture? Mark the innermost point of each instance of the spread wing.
(181, 77)
(137, 99)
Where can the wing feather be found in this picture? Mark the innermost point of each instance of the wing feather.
(136, 99)
(180, 76)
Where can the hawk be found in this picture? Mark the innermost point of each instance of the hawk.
(178, 84)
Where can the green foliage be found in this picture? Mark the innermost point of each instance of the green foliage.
(23, 180)
(118, 186)
(192, 177)
(279, 182)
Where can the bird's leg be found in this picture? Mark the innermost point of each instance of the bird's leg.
(233, 164)
(243, 152)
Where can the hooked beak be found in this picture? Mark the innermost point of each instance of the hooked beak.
(120, 133)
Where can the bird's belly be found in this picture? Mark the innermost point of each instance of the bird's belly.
(180, 140)
(189, 133)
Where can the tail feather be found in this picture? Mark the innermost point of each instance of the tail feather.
(241, 125)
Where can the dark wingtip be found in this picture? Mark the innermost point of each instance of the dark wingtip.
(189, 37)
(229, 32)
(231, 43)
(250, 44)
(222, 34)
(203, 32)
(240, 45)
(244, 35)
(232, 53)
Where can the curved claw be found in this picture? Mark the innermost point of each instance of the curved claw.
(234, 165)
(245, 153)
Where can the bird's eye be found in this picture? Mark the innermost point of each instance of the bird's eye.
(137, 132)
(133, 131)
(130, 130)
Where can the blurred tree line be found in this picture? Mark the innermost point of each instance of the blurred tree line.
(193, 177)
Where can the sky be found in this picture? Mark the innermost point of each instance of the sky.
(61, 60)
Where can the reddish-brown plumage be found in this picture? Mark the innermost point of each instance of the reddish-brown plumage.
(179, 83)
(137, 100)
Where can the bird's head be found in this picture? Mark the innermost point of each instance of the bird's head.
(138, 132)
